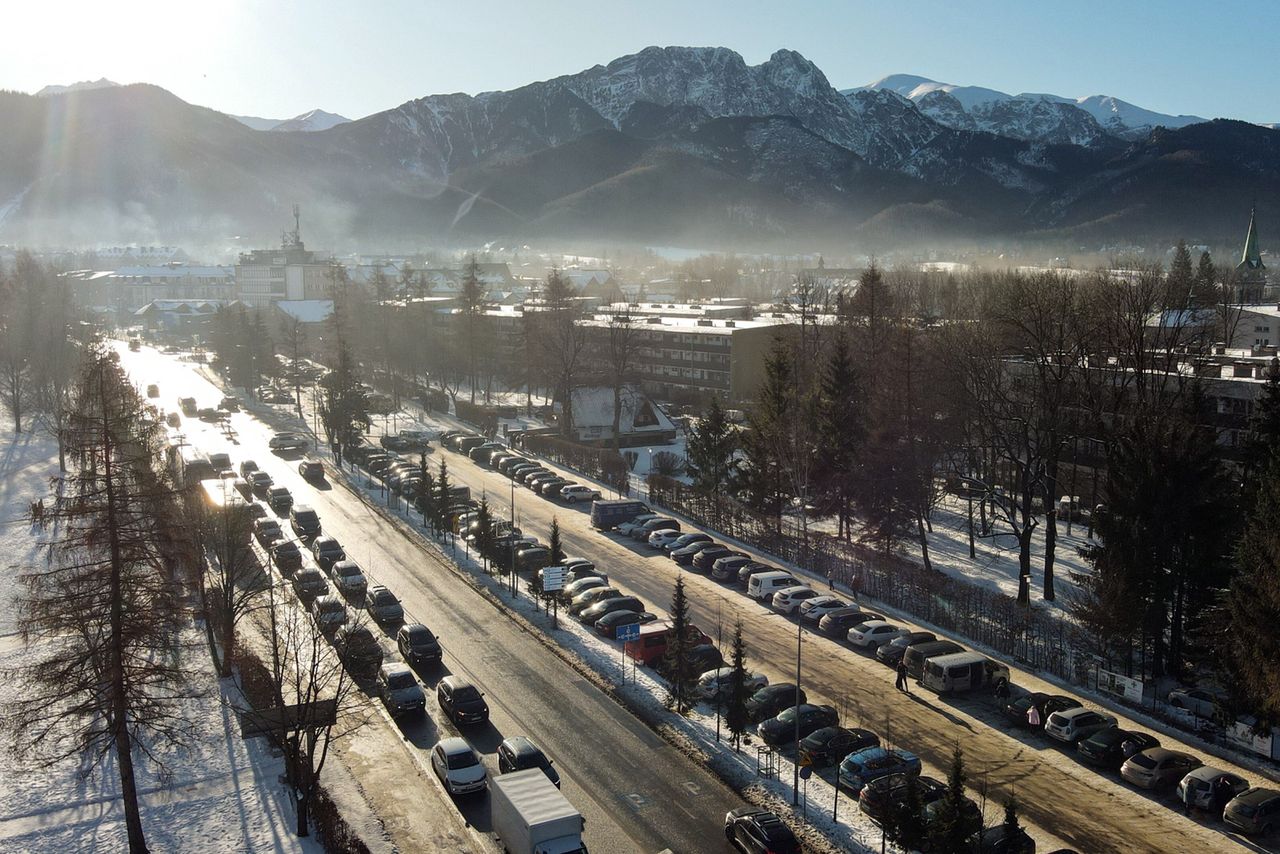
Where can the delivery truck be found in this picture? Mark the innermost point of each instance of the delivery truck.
(531, 816)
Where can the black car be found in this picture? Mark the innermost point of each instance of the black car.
(305, 521)
(1015, 709)
(687, 540)
(609, 623)
(396, 443)
(280, 498)
(358, 650)
(684, 556)
(609, 606)
(831, 744)
(518, 753)
(312, 470)
(287, 557)
(750, 568)
(1112, 746)
(892, 652)
(771, 699)
(757, 831)
(703, 559)
(1002, 840)
(461, 701)
(726, 568)
(782, 729)
(327, 552)
(418, 645)
(837, 623)
(882, 795)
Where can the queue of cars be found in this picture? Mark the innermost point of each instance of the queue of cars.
(877, 774)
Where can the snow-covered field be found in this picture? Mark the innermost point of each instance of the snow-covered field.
(220, 793)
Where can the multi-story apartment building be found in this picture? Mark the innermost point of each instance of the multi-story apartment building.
(292, 272)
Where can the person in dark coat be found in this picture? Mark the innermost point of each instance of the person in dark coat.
(901, 684)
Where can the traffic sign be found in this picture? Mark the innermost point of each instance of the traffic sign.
(805, 772)
(553, 578)
(628, 632)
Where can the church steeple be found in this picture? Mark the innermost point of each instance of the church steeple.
(1251, 259)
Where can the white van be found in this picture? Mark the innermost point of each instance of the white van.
(961, 671)
(764, 584)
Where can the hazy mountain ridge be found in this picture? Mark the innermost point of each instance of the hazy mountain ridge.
(669, 144)
(1031, 116)
(312, 120)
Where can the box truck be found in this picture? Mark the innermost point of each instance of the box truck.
(530, 816)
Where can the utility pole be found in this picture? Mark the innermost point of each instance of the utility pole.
(512, 535)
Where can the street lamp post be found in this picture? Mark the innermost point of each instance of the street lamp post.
(795, 783)
(512, 535)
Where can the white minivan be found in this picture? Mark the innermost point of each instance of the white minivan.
(764, 584)
(961, 671)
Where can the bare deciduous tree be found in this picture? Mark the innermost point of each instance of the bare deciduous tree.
(105, 610)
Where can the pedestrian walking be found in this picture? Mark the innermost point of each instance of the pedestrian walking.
(1033, 717)
(901, 684)
(1002, 690)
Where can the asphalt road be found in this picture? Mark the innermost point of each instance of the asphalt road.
(1058, 796)
(636, 792)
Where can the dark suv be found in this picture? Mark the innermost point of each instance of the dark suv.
(461, 701)
(327, 551)
(359, 651)
(305, 521)
(418, 645)
(757, 831)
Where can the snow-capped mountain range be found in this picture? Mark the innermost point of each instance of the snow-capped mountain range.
(1031, 116)
(82, 86)
(313, 120)
(671, 143)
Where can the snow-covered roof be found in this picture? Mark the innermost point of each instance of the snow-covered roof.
(593, 407)
(307, 310)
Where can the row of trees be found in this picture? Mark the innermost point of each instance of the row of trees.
(871, 413)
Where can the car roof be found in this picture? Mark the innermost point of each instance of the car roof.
(520, 745)
(872, 624)
(454, 744)
(395, 669)
(1162, 753)
(1258, 795)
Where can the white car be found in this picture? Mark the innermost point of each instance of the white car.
(813, 610)
(348, 578)
(787, 600)
(458, 767)
(288, 442)
(400, 691)
(1073, 725)
(329, 612)
(872, 633)
(575, 492)
(1201, 702)
(716, 682)
(662, 539)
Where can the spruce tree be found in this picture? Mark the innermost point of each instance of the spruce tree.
(710, 450)
(679, 668)
(443, 499)
(735, 699)
(908, 819)
(1180, 279)
(1012, 828)
(553, 543)
(948, 833)
(1264, 425)
(1247, 640)
(764, 477)
(426, 494)
(1205, 288)
(484, 532)
(841, 434)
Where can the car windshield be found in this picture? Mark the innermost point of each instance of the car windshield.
(401, 680)
(1246, 809)
(383, 597)
(462, 759)
(306, 518)
(421, 636)
(788, 716)
(348, 571)
(466, 693)
(1142, 760)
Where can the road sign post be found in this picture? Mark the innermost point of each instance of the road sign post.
(626, 633)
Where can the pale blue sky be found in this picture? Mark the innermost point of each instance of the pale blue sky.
(278, 58)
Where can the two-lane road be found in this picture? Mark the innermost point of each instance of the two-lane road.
(636, 792)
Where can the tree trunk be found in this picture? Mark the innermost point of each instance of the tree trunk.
(924, 541)
(119, 722)
(1050, 525)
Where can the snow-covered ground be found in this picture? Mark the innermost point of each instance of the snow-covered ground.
(219, 794)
